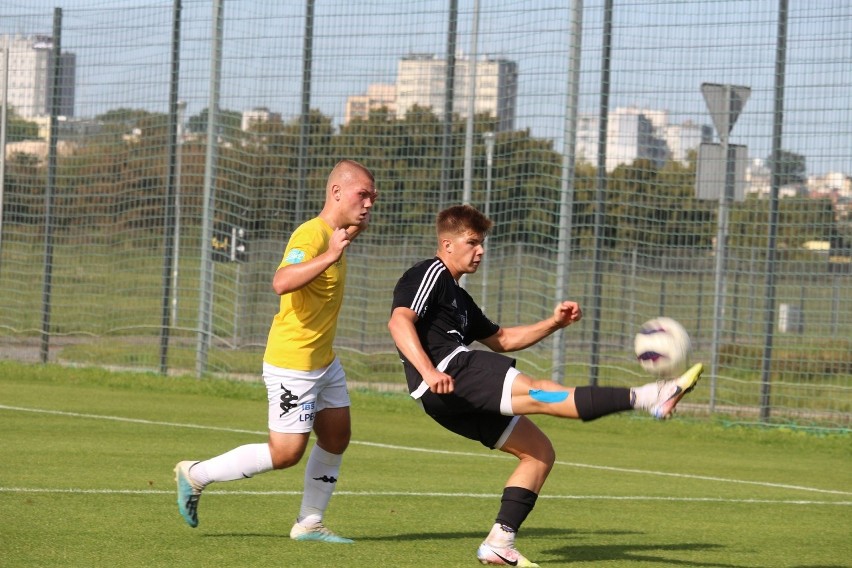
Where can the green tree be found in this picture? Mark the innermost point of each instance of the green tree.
(24, 190)
(799, 220)
(18, 128)
(655, 208)
(791, 168)
(405, 156)
(230, 122)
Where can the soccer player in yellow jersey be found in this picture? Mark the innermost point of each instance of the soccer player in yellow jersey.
(305, 382)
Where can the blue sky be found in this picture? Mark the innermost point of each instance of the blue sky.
(662, 52)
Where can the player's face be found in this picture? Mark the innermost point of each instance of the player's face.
(466, 250)
(357, 196)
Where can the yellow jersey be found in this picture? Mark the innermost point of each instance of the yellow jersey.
(303, 330)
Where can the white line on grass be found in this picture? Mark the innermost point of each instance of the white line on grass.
(431, 451)
(426, 494)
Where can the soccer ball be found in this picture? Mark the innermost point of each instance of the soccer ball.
(662, 347)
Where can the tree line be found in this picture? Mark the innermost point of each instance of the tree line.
(116, 180)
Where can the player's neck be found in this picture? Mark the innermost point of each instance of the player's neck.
(331, 219)
(454, 272)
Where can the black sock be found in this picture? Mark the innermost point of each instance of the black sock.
(594, 402)
(516, 505)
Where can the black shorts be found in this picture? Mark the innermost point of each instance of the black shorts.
(472, 410)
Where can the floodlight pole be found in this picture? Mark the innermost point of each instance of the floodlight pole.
(488, 138)
(205, 297)
(181, 108)
(3, 124)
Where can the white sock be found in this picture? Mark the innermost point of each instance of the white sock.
(645, 397)
(499, 537)
(320, 480)
(239, 463)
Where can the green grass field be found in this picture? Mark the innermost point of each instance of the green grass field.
(86, 480)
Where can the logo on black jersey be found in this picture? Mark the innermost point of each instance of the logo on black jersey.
(288, 402)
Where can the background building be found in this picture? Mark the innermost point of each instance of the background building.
(258, 115)
(634, 133)
(379, 95)
(421, 80)
(682, 138)
(30, 80)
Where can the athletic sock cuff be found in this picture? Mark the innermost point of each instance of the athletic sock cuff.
(594, 402)
(516, 504)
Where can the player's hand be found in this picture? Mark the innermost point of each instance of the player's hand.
(567, 312)
(439, 383)
(340, 239)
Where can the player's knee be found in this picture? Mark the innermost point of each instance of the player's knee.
(548, 455)
(542, 453)
(336, 446)
(284, 457)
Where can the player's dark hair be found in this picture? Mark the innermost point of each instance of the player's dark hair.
(459, 219)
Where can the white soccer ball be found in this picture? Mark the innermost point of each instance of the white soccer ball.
(663, 347)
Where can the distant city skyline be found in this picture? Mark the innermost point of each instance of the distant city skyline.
(661, 54)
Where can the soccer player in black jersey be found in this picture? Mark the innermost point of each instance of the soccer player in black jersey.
(479, 394)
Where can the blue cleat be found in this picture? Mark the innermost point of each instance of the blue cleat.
(188, 493)
(317, 533)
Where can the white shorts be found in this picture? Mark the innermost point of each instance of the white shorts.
(296, 396)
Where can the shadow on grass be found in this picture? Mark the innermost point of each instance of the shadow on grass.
(634, 553)
(637, 553)
(417, 537)
(568, 553)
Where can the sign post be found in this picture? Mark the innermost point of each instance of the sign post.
(725, 103)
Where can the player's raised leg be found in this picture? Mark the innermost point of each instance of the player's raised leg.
(531, 396)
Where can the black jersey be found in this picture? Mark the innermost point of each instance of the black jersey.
(448, 316)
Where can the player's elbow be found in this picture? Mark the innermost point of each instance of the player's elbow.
(398, 323)
(279, 287)
(281, 283)
(393, 326)
(497, 342)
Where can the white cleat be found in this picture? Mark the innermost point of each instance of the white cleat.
(671, 391)
(502, 556)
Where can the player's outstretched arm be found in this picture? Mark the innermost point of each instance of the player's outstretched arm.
(522, 336)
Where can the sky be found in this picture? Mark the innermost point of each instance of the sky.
(662, 52)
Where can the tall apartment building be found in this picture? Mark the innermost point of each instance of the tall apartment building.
(634, 133)
(30, 79)
(379, 95)
(421, 80)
